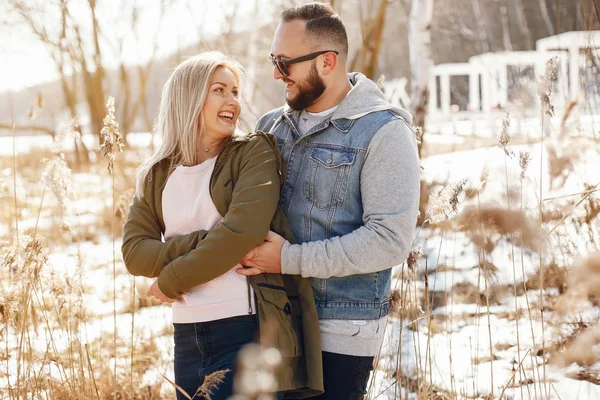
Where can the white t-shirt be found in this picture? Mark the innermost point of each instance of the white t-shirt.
(188, 207)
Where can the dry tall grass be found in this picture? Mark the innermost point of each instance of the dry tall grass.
(75, 325)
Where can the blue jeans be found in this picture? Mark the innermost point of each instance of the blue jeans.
(205, 347)
(345, 377)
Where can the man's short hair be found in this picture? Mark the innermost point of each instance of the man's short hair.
(322, 24)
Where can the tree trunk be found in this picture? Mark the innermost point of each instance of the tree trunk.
(505, 29)
(82, 155)
(27, 128)
(546, 17)
(523, 25)
(483, 36)
(421, 59)
(98, 76)
(128, 111)
(251, 59)
(376, 39)
(366, 58)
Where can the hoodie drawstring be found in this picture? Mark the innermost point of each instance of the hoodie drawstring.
(249, 296)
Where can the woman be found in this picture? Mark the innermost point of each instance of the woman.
(213, 196)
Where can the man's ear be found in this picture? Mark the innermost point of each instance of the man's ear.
(330, 61)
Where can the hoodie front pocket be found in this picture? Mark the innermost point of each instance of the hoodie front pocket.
(328, 181)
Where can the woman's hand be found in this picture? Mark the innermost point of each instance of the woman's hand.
(154, 291)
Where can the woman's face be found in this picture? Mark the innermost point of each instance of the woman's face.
(221, 108)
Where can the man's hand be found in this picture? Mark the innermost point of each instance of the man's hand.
(264, 258)
(155, 291)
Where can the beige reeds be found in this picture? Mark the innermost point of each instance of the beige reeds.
(508, 153)
(582, 350)
(211, 382)
(478, 220)
(112, 142)
(16, 212)
(545, 88)
(111, 145)
(395, 302)
(583, 290)
(445, 203)
(410, 308)
(504, 139)
(71, 132)
(568, 110)
(583, 285)
(57, 175)
(489, 220)
(524, 159)
(36, 107)
(122, 205)
(418, 134)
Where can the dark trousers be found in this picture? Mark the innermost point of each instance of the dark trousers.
(205, 347)
(345, 377)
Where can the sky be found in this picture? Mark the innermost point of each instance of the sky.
(24, 61)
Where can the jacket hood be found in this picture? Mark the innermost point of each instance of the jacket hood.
(364, 98)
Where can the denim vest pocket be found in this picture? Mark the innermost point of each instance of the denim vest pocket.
(275, 314)
(329, 169)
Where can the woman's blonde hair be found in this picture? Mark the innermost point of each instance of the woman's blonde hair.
(180, 113)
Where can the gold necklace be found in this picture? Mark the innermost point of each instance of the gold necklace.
(212, 147)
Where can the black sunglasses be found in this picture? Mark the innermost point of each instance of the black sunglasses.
(283, 65)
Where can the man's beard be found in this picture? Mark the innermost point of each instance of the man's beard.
(309, 91)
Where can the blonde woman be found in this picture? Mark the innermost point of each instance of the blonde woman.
(213, 195)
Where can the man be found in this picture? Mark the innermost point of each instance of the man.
(351, 191)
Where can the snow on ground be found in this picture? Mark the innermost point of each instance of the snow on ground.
(460, 351)
(460, 346)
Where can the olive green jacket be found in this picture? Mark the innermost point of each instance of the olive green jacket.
(244, 187)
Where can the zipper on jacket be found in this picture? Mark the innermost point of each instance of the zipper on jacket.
(268, 285)
(249, 296)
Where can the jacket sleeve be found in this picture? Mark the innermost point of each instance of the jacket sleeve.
(144, 252)
(244, 226)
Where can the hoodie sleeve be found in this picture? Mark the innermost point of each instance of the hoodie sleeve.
(390, 195)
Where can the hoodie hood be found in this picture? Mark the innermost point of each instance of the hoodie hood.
(364, 98)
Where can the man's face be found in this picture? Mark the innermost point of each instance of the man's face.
(303, 85)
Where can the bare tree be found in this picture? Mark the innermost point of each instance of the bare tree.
(505, 29)
(70, 53)
(132, 103)
(421, 59)
(483, 36)
(596, 10)
(65, 57)
(546, 17)
(366, 58)
(523, 25)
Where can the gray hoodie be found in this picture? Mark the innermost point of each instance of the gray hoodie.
(390, 194)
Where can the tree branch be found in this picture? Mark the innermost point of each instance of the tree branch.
(25, 128)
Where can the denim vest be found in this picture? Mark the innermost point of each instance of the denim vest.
(321, 198)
